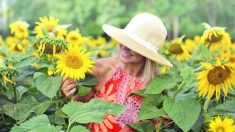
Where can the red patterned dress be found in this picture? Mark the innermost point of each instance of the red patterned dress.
(117, 89)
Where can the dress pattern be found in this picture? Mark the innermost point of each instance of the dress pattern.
(118, 89)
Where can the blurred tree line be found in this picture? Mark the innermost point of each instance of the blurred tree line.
(180, 16)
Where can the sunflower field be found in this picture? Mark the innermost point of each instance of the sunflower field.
(197, 93)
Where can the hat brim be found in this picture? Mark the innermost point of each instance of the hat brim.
(122, 37)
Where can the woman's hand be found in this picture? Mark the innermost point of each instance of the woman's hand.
(68, 87)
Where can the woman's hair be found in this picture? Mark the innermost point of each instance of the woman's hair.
(151, 70)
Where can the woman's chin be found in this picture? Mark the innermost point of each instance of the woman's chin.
(124, 60)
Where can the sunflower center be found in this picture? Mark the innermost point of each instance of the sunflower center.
(176, 49)
(214, 38)
(17, 49)
(21, 30)
(50, 27)
(218, 75)
(74, 62)
(74, 38)
(220, 129)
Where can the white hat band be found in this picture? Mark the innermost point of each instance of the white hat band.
(136, 37)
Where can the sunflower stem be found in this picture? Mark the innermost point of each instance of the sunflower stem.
(166, 124)
(15, 95)
(159, 126)
(68, 127)
(206, 104)
(178, 89)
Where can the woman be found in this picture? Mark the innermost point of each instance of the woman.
(133, 68)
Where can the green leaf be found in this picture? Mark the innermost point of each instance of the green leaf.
(35, 122)
(79, 128)
(160, 83)
(146, 126)
(25, 62)
(17, 129)
(89, 81)
(47, 128)
(93, 111)
(21, 110)
(20, 90)
(188, 75)
(48, 85)
(56, 120)
(140, 93)
(184, 112)
(41, 107)
(83, 90)
(204, 52)
(149, 108)
(227, 109)
(60, 113)
(39, 123)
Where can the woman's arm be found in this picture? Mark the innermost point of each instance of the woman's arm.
(68, 85)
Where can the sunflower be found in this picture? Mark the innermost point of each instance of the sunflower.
(197, 39)
(214, 78)
(8, 75)
(74, 37)
(74, 63)
(191, 45)
(215, 37)
(224, 52)
(233, 47)
(101, 41)
(218, 125)
(17, 48)
(20, 29)
(25, 42)
(47, 24)
(165, 69)
(12, 40)
(61, 33)
(48, 45)
(179, 51)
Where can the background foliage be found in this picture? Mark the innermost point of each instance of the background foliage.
(180, 16)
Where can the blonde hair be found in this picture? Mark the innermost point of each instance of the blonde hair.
(151, 70)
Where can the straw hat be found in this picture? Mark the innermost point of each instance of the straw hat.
(144, 34)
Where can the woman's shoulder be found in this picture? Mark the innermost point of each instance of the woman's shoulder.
(105, 65)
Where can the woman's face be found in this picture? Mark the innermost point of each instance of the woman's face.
(129, 56)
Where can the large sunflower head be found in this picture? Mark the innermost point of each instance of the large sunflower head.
(45, 24)
(20, 29)
(74, 63)
(178, 50)
(49, 45)
(215, 37)
(214, 78)
(74, 37)
(218, 125)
